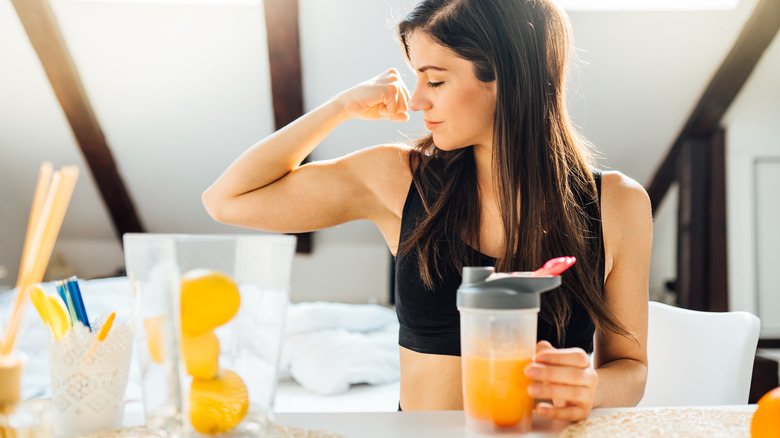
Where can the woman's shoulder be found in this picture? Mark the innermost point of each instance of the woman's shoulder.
(391, 160)
(626, 218)
(385, 170)
(622, 190)
(625, 206)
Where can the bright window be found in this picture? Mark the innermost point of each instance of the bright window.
(646, 5)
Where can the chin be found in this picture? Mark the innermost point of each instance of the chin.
(446, 145)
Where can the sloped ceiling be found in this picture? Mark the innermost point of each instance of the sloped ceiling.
(181, 88)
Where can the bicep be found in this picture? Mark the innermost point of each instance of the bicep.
(627, 222)
(313, 196)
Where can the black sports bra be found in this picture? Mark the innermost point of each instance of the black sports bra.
(429, 319)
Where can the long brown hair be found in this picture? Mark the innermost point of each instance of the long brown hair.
(541, 166)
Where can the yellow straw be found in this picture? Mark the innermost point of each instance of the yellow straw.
(42, 190)
(48, 220)
(41, 194)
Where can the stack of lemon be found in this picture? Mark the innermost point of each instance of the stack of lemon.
(219, 399)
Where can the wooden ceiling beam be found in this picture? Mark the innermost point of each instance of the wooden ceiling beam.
(284, 56)
(756, 35)
(44, 33)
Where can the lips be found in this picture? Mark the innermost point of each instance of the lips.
(432, 125)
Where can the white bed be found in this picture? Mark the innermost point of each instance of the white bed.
(358, 344)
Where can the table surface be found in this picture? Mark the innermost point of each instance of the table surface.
(434, 424)
(428, 424)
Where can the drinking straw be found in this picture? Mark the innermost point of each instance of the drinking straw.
(65, 295)
(46, 219)
(72, 284)
(39, 213)
(99, 338)
(106, 327)
(39, 199)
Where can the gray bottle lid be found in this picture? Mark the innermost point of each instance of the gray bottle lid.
(483, 288)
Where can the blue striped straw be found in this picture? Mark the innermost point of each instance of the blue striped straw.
(78, 303)
(65, 295)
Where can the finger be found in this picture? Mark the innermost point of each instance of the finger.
(390, 106)
(566, 413)
(400, 117)
(388, 77)
(572, 357)
(543, 346)
(404, 90)
(564, 375)
(392, 99)
(383, 111)
(403, 101)
(572, 394)
(395, 106)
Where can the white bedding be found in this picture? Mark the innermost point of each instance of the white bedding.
(336, 357)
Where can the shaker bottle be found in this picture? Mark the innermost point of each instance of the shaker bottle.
(498, 313)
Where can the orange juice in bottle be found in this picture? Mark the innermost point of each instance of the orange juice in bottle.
(498, 314)
(496, 391)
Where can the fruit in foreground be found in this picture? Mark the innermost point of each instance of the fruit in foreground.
(201, 355)
(766, 419)
(209, 299)
(218, 405)
(153, 327)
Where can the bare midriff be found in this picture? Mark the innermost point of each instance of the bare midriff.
(430, 382)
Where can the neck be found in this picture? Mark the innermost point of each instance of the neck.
(484, 161)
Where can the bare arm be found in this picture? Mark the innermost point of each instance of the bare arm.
(566, 376)
(266, 188)
(628, 234)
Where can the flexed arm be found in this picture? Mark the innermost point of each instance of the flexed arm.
(266, 188)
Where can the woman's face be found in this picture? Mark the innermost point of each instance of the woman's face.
(457, 107)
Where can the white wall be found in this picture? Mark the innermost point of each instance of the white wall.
(663, 262)
(753, 135)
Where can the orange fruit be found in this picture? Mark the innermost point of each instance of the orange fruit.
(766, 419)
(201, 355)
(153, 328)
(218, 405)
(208, 299)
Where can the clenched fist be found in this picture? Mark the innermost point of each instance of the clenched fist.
(384, 96)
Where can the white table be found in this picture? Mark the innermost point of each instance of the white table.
(430, 424)
(434, 424)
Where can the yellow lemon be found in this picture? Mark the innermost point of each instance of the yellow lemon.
(201, 355)
(208, 300)
(153, 328)
(218, 405)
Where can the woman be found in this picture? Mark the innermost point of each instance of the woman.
(502, 179)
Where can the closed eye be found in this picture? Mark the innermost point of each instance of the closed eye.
(434, 84)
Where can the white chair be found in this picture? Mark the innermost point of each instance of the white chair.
(699, 358)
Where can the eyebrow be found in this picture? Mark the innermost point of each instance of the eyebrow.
(430, 67)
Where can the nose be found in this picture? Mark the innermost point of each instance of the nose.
(418, 101)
